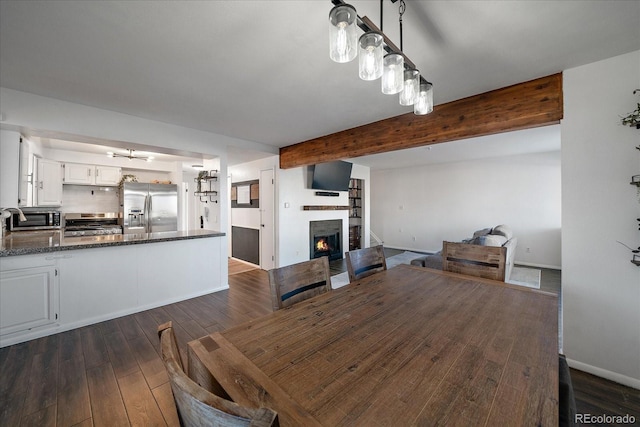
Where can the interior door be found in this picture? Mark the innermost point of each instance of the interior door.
(267, 234)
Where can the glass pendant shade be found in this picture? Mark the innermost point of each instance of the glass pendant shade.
(424, 101)
(371, 52)
(392, 73)
(343, 35)
(411, 87)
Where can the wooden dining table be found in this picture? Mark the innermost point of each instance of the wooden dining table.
(406, 346)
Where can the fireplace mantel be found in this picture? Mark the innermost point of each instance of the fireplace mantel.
(324, 208)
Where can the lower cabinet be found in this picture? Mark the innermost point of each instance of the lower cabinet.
(28, 298)
(45, 294)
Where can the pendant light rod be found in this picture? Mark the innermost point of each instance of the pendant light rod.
(403, 7)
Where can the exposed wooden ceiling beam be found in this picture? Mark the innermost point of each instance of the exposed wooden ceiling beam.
(525, 105)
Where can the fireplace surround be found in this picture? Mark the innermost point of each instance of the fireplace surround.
(325, 239)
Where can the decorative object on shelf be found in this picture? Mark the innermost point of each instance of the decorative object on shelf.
(201, 175)
(207, 177)
(633, 118)
(399, 74)
(130, 156)
(126, 178)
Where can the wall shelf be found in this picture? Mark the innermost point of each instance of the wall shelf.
(208, 180)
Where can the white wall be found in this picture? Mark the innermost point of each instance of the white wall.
(601, 288)
(293, 222)
(9, 164)
(450, 201)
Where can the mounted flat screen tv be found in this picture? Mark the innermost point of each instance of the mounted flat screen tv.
(332, 176)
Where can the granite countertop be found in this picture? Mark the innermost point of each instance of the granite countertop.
(35, 242)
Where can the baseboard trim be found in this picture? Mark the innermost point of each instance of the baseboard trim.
(420, 251)
(603, 373)
(532, 264)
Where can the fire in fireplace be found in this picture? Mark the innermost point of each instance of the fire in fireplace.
(322, 245)
(325, 238)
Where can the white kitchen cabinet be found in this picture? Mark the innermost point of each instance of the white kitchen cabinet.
(77, 173)
(58, 291)
(83, 174)
(28, 298)
(108, 175)
(49, 184)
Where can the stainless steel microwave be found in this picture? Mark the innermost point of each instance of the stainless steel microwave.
(36, 220)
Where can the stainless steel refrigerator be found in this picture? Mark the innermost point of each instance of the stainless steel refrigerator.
(149, 208)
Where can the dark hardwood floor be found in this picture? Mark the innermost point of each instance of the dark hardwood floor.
(110, 374)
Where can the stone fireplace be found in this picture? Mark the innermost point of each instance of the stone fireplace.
(325, 239)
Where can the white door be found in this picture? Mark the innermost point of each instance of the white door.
(267, 235)
(49, 192)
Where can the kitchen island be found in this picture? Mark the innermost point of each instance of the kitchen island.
(50, 283)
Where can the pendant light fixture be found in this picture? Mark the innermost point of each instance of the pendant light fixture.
(424, 100)
(343, 35)
(371, 52)
(392, 74)
(411, 87)
(399, 74)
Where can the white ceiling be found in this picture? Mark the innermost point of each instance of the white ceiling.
(259, 70)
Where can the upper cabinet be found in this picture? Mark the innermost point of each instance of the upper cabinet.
(49, 184)
(78, 173)
(108, 175)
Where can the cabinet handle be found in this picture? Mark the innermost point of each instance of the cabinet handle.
(41, 185)
(88, 172)
(54, 257)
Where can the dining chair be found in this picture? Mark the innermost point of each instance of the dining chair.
(365, 262)
(567, 401)
(298, 282)
(488, 262)
(198, 406)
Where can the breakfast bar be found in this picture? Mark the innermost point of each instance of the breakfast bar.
(26, 243)
(50, 283)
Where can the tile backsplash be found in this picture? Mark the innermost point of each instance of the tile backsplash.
(86, 198)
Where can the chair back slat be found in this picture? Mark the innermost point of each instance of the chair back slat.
(199, 407)
(298, 282)
(365, 262)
